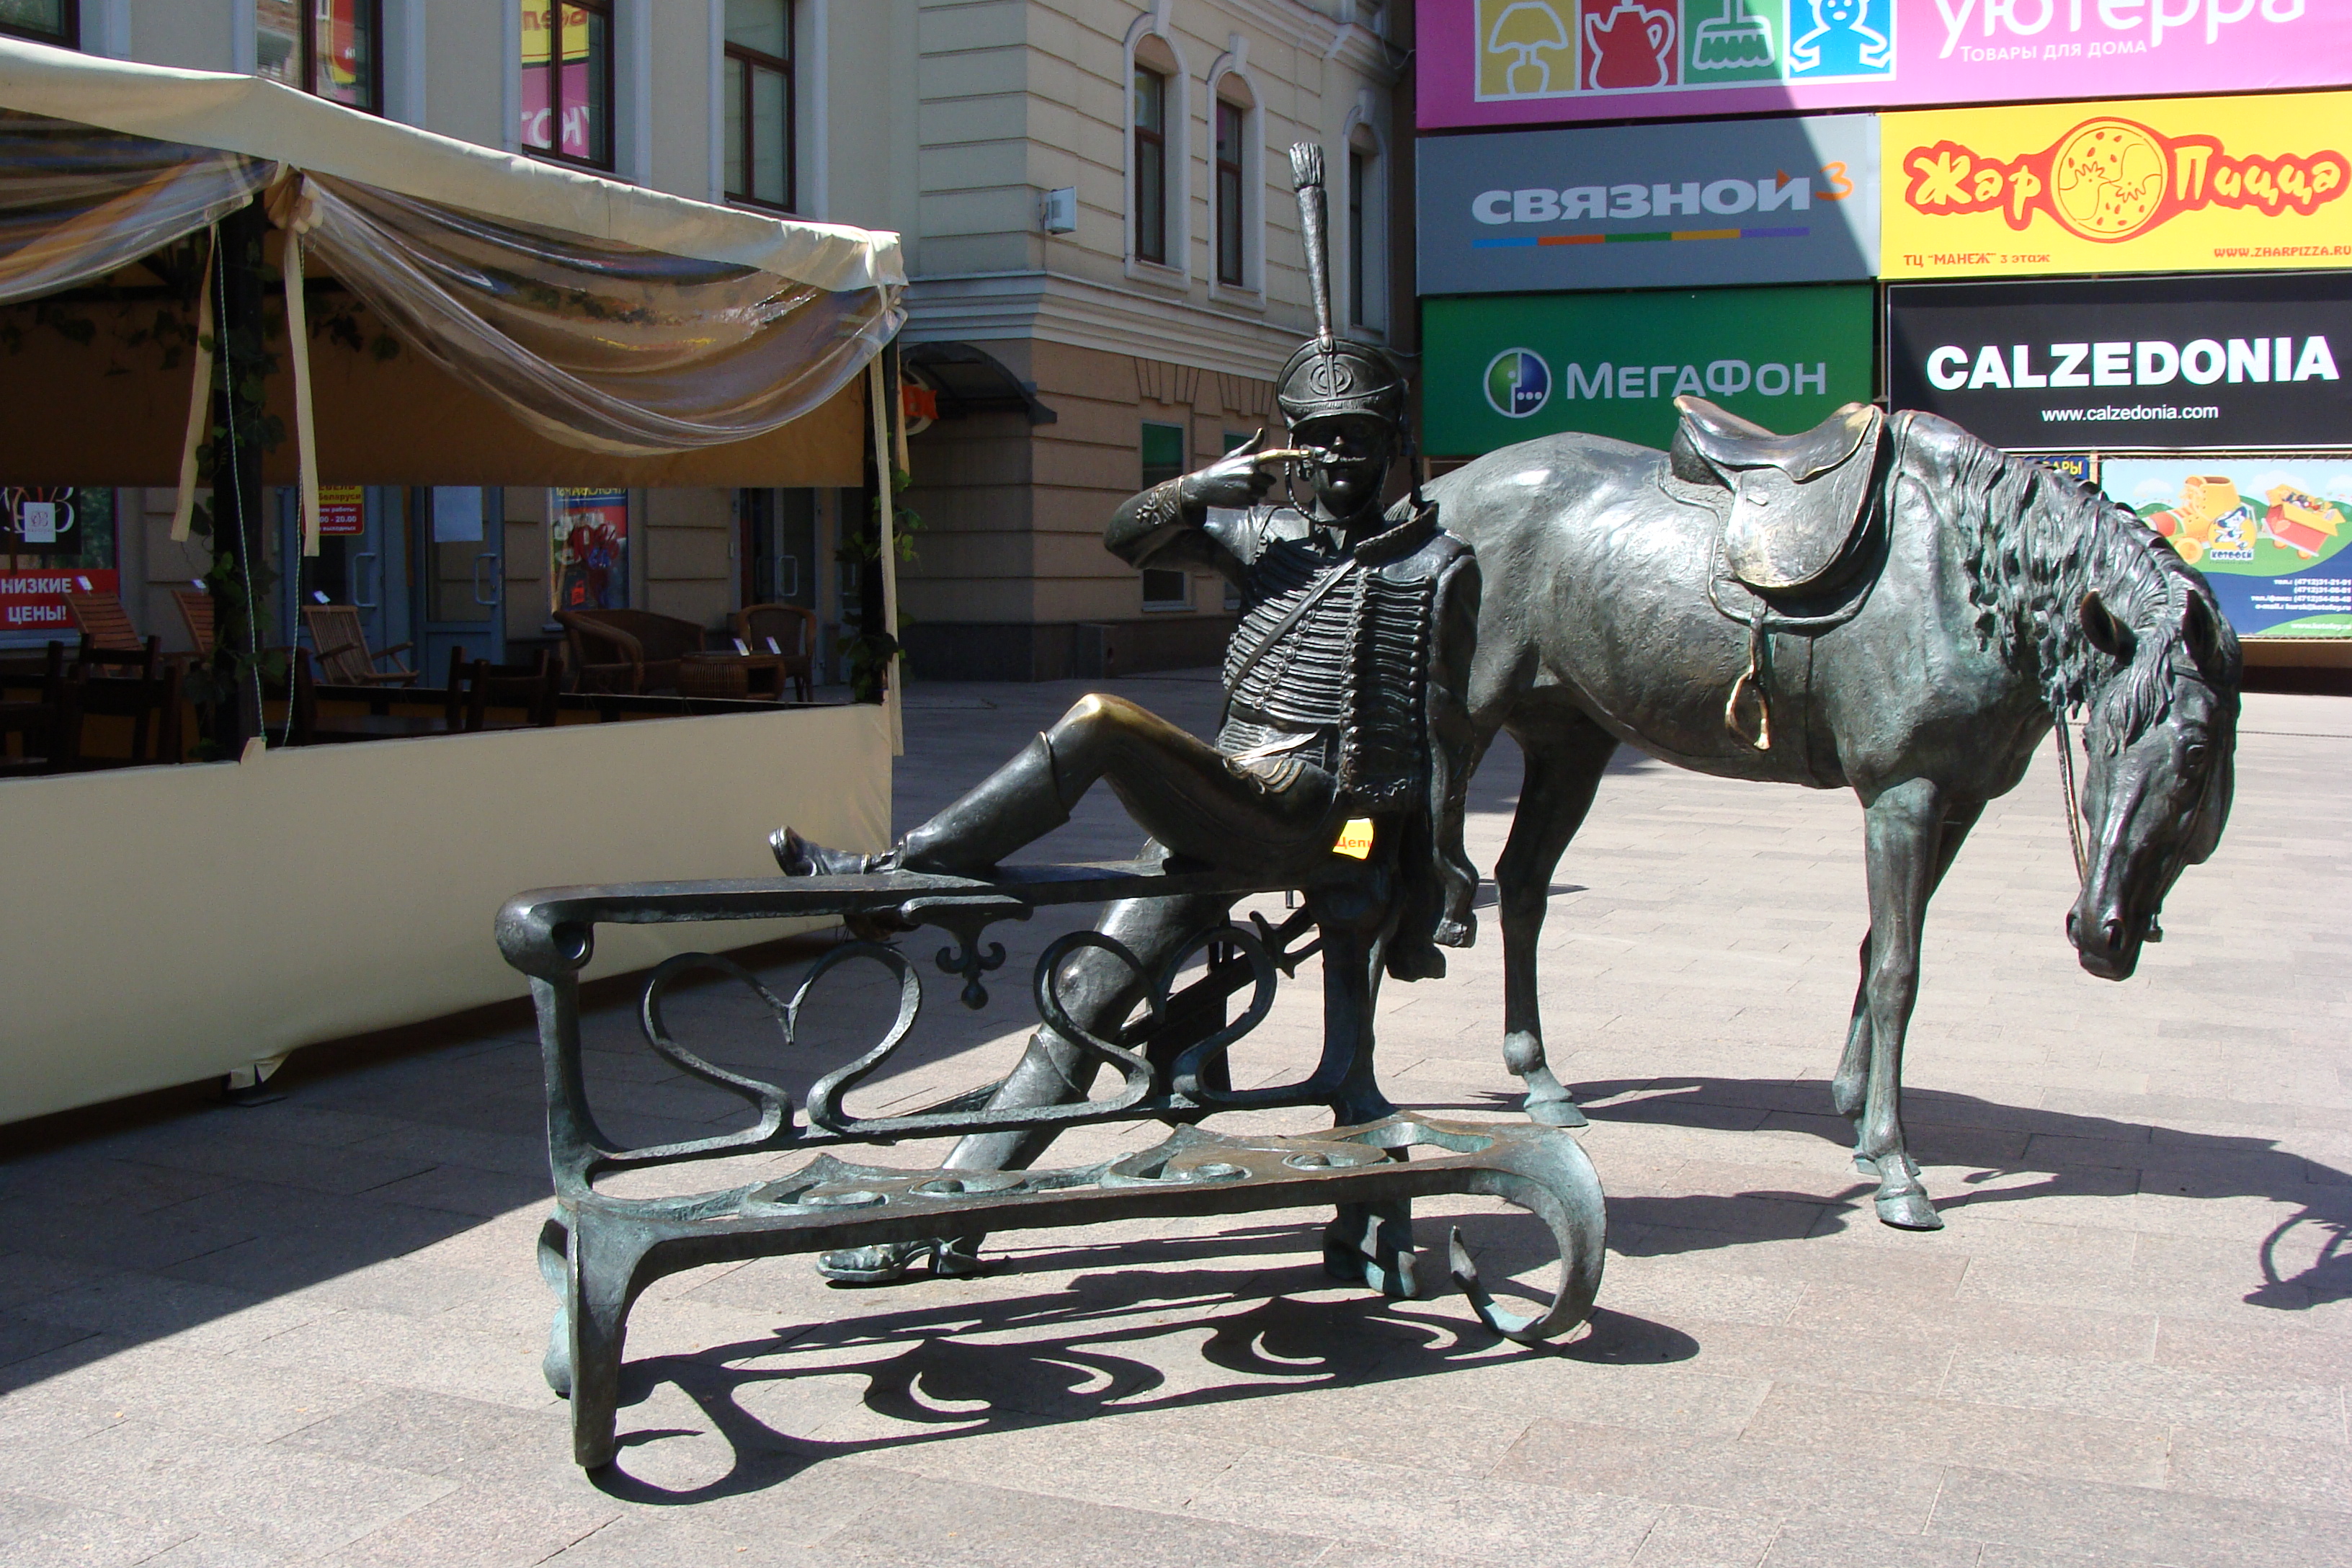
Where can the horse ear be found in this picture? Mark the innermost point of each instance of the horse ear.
(2107, 634)
(2204, 638)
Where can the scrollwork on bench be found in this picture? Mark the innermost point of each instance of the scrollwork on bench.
(599, 1250)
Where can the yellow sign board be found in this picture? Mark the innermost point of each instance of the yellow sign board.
(1355, 839)
(2183, 184)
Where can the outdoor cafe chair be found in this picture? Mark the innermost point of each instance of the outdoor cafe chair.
(786, 631)
(339, 644)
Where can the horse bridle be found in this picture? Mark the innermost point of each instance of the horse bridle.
(2066, 781)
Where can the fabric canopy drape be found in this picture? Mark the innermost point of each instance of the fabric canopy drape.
(595, 343)
(602, 316)
(78, 204)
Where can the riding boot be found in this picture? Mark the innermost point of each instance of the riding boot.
(1017, 805)
(1013, 806)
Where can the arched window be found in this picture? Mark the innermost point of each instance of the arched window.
(1234, 133)
(1366, 231)
(1156, 112)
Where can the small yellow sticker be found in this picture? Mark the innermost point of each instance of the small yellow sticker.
(1355, 839)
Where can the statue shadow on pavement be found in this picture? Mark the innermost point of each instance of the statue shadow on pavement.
(2305, 1261)
(1093, 1344)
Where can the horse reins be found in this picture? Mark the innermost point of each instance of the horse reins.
(2073, 810)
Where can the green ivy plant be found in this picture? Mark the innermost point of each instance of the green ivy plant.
(868, 653)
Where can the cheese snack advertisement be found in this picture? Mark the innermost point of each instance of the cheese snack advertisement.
(2191, 184)
(2268, 532)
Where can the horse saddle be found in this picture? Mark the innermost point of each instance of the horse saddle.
(1800, 503)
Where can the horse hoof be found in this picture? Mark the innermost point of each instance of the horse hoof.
(1561, 1113)
(1908, 1211)
(891, 1262)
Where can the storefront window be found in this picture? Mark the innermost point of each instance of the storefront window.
(567, 80)
(588, 540)
(48, 21)
(324, 47)
(759, 79)
(54, 539)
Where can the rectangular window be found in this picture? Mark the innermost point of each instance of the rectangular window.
(1163, 460)
(759, 84)
(1357, 164)
(1150, 165)
(1232, 120)
(567, 80)
(45, 21)
(323, 47)
(1163, 453)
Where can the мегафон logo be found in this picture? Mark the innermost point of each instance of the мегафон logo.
(1518, 383)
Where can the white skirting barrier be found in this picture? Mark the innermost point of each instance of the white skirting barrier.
(164, 925)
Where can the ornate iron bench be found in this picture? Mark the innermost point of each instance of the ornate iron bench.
(599, 1251)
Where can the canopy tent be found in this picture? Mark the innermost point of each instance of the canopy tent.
(563, 328)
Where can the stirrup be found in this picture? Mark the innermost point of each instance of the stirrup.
(887, 1263)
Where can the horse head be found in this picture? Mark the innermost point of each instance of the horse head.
(2159, 773)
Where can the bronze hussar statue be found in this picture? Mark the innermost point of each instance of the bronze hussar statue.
(1345, 700)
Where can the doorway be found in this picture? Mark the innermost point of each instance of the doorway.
(363, 562)
(460, 583)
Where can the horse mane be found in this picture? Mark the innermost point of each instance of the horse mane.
(2034, 542)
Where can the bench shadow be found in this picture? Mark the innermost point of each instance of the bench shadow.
(920, 1365)
(2072, 1154)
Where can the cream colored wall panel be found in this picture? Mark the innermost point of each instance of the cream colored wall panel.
(465, 71)
(198, 34)
(951, 29)
(997, 599)
(998, 117)
(238, 864)
(975, 165)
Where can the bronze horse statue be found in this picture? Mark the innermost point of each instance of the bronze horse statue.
(1884, 603)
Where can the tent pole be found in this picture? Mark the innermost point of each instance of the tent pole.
(239, 560)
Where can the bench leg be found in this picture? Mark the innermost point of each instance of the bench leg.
(555, 1268)
(1373, 1243)
(596, 1314)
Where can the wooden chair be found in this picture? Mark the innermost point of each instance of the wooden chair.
(152, 703)
(195, 607)
(630, 651)
(475, 685)
(51, 727)
(107, 636)
(786, 630)
(340, 645)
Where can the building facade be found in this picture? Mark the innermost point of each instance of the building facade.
(1094, 197)
(2097, 236)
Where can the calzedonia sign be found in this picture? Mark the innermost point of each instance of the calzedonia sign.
(2211, 363)
(1650, 206)
(1503, 368)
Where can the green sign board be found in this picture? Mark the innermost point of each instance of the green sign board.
(1501, 368)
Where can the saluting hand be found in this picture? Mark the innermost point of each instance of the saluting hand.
(1240, 477)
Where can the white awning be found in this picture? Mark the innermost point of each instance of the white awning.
(267, 121)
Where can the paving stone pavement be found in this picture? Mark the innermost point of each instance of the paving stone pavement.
(310, 1333)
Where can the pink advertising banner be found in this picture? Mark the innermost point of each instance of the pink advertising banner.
(1540, 62)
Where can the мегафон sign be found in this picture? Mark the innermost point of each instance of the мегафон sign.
(2163, 364)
